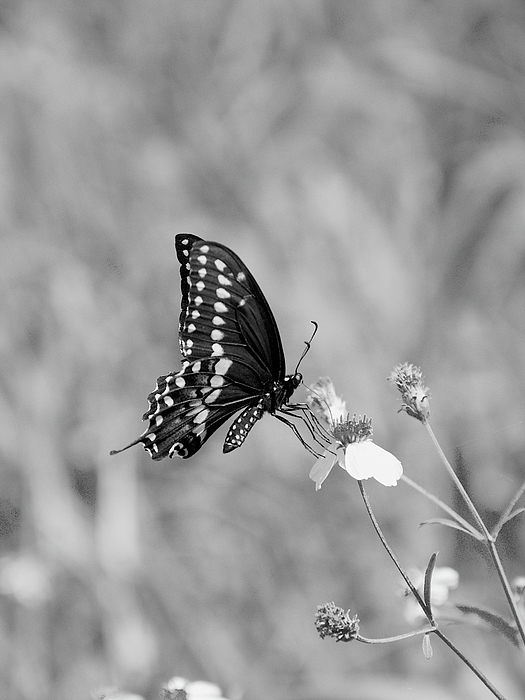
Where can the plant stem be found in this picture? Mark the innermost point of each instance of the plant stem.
(417, 595)
(385, 640)
(457, 482)
(466, 661)
(488, 538)
(442, 505)
(392, 556)
(508, 511)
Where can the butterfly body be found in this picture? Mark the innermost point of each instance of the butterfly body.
(232, 357)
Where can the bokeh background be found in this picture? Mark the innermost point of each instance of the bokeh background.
(367, 161)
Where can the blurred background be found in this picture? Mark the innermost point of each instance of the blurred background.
(366, 160)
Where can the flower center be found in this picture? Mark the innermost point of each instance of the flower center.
(355, 429)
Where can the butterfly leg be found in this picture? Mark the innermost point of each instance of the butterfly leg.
(316, 429)
(297, 434)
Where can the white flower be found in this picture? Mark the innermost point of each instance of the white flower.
(195, 690)
(324, 401)
(354, 450)
(26, 578)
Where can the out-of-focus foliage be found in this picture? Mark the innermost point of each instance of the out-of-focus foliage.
(367, 160)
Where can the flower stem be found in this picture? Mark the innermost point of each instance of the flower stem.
(508, 510)
(458, 484)
(392, 556)
(441, 505)
(488, 538)
(466, 661)
(385, 640)
(415, 592)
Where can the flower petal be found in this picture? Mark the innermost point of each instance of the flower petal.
(202, 689)
(322, 468)
(366, 459)
(323, 399)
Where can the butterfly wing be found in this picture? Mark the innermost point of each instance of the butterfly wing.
(224, 309)
(231, 349)
(187, 407)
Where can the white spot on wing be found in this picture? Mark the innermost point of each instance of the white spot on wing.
(224, 281)
(180, 382)
(202, 259)
(220, 265)
(204, 248)
(202, 272)
(168, 401)
(222, 293)
(216, 334)
(197, 301)
(223, 366)
(218, 321)
(216, 381)
(220, 308)
(241, 277)
(196, 367)
(201, 417)
(200, 285)
(213, 396)
(195, 314)
(217, 350)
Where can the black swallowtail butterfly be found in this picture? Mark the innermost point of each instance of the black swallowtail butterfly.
(232, 359)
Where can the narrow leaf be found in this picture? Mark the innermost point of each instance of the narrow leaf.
(427, 647)
(428, 580)
(495, 621)
(505, 520)
(453, 524)
(509, 509)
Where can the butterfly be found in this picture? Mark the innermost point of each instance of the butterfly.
(232, 359)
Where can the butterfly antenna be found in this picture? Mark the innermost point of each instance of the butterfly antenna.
(308, 344)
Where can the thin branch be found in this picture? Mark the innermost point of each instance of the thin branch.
(456, 516)
(385, 640)
(489, 539)
(508, 511)
(417, 595)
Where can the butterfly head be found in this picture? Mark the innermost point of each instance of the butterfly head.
(290, 384)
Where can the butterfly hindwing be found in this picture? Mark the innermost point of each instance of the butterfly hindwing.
(188, 406)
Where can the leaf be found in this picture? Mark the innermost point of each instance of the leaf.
(505, 520)
(495, 621)
(428, 580)
(453, 524)
(507, 513)
(427, 647)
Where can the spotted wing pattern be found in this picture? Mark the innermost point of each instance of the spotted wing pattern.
(232, 356)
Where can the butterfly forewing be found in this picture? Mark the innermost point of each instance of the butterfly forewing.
(224, 309)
